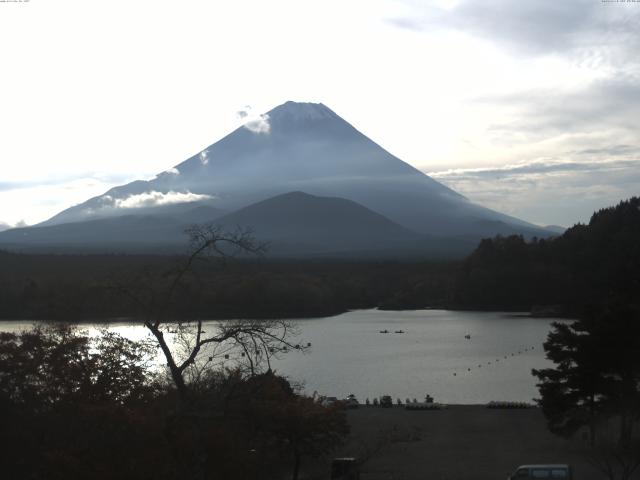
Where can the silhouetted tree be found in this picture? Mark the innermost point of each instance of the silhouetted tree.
(251, 342)
(614, 459)
(74, 407)
(572, 392)
(70, 404)
(282, 419)
(596, 383)
(310, 429)
(53, 364)
(189, 356)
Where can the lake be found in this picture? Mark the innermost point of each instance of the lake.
(432, 356)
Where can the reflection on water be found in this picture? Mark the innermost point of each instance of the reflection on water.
(456, 357)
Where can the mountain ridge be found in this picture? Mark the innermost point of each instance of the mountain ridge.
(303, 147)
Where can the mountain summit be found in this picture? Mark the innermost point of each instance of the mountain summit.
(296, 112)
(304, 147)
(295, 146)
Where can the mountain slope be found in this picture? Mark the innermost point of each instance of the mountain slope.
(131, 233)
(125, 233)
(295, 223)
(304, 147)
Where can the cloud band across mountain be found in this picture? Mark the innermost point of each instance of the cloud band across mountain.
(153, 198)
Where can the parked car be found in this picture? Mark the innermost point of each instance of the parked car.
(328, 401)
(344, 469)
(351, 401)
(559, 472)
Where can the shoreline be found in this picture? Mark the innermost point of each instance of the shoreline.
(127, 319)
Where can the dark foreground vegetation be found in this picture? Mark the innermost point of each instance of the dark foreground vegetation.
(75, 407)
(594, 388)
(72, 407)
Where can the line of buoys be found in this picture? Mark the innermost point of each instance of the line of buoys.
(508, 405)
(497, 359)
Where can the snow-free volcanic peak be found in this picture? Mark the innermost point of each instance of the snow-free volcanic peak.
(301, 111)
(308, 148)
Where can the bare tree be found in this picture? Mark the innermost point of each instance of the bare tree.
(189, 349)
(617, 458)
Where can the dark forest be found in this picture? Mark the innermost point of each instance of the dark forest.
(555, 276)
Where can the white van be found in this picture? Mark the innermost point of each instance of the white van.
(557, 472)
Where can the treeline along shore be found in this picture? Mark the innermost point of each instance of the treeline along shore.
(81, 287)
(558, 276)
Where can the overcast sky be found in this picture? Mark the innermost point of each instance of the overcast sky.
(528, 107)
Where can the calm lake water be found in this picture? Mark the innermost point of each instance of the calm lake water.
(432, 356)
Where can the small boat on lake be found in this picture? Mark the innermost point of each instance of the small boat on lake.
(384, 331)
(399, 331)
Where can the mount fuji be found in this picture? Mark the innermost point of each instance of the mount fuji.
(296, 147)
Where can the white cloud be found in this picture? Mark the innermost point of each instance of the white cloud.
(154, 198)
(6, 226)
(243, 112)
(585, 30)
(544, 166)
(172, 171)
(40, 201)
(548, 191)
(255, 124)
(204, 157)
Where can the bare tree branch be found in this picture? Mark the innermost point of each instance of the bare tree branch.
(254, 341)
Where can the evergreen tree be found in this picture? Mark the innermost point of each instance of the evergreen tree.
(596, 384)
